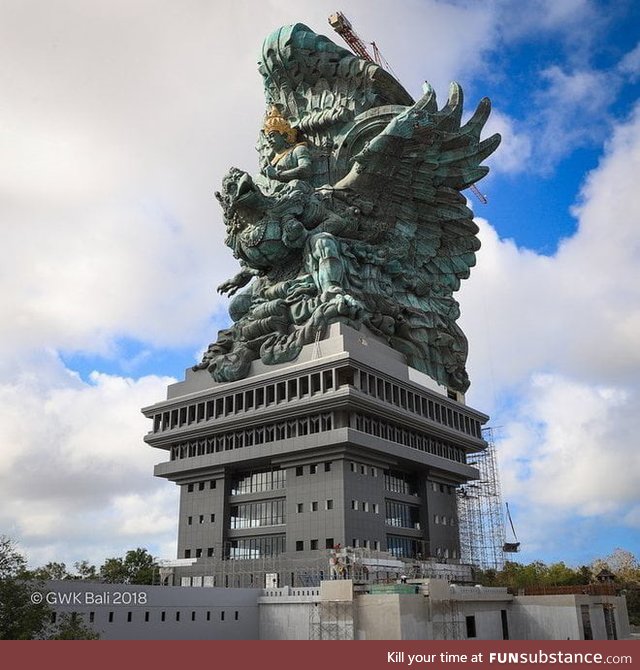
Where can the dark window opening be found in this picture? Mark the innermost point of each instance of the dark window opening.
(471, 626)
(505, 624)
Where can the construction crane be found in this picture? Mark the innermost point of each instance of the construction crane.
(341, 24)
(511, 547)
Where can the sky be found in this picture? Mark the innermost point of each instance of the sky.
(117, 123)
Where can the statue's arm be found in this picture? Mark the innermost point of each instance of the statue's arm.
(302, 170)
(236, 282)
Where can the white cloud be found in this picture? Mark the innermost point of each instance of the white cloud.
(116, 124)
(629, 66)
(556, 339)
(571, 111)
(516, 147)
(74, 472)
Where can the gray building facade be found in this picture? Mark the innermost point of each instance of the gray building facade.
(345, 446)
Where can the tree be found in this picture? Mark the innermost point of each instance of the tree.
(55, 571)
(626, 570)
(85, 570)
(559, 574)
(137, 567)
(72, 627)
(20, 618)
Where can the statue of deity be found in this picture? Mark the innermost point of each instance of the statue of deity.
(356, 215)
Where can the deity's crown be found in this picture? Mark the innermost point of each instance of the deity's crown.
(275, 122)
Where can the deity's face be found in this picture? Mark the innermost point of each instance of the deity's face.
(277, 141)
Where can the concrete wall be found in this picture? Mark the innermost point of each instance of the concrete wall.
(285, 613)
(558, 617)
(127, 612)
(285, 620)
(394, 616)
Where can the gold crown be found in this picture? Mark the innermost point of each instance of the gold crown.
(275, 122)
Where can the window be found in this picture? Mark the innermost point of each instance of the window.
(256, 547)
(300, 508)
(198, 553)
(328, 543)
(314, 506)
(208, 615)
(375, 509)
(471, 626)
(399, 482)
(354, 504)
(187, 553)
(209, 552)
(586, 622)
(436, 518)
(146, 617)
(189, 520)
(327, 466)
(201, 518)
(314, 545)
(190, 488)
(363, 470)
(212, 484)
(353, 466)
(193, 616)
(365, 506)
(403, 547)
(313, 469)
(401, 515)
(129, 617)
(258, 481)
(236, 615)
(163, 616)
(374, 472)
(222, 615)
(177, 616)
(213, 518)
(53, 617)
(299, 545)
(299, 471)
(201, 486)
(259, 513)
(505, 624)
(329, 504)
(376, 545)
(92, 617)
(111, 617)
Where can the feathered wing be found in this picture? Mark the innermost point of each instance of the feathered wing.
(321, 87)
(413, 171)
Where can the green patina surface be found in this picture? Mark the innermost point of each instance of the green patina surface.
(356, 214)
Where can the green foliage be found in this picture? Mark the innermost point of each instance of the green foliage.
(626, 571)
(20, 619)
(137, 567)
(55, 571)
(621, 563)
(71, 627)
(85, 570)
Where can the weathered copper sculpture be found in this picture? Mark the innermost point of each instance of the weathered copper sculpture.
(356, 214)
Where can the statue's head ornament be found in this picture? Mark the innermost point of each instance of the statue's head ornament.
(275, 122)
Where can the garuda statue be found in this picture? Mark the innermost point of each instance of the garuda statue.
(356, 214)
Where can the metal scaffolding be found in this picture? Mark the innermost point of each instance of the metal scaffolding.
(332, 620)
(480, 512)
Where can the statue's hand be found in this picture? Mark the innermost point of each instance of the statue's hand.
(232, 285)
(228, 286)
(271, 172)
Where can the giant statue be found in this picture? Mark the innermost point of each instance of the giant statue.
(356, 214)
